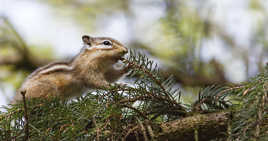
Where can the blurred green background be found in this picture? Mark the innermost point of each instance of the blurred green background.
(201, 43)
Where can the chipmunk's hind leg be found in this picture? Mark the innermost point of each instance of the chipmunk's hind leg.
(41, 89)
(38, 89)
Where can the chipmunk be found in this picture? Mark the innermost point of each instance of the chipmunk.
(92, 68)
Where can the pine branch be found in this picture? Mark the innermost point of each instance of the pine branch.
(209, 126)
(147, 109)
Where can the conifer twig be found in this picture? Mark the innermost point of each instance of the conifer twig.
(133, 64)
(26, 130)
(136, 110)
(150, 130)
(143, 130)
(97, 129)
(130, 131)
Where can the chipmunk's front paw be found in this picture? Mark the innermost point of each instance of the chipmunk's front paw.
(122, 85)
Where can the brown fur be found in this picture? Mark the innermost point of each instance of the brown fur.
(91, 68)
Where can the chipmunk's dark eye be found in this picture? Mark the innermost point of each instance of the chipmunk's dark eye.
(107, 43)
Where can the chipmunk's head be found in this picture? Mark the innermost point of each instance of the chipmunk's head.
(105, 47)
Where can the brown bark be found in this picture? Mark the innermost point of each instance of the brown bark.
(206, 126)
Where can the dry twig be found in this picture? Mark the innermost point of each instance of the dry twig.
(26, 117)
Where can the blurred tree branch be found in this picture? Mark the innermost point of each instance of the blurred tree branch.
(22, 58)
(186, 78)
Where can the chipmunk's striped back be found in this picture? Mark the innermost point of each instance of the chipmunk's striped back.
(56, 67)
(52, 67)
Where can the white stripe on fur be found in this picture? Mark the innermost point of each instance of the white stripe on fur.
(98, 47)
(56, 67)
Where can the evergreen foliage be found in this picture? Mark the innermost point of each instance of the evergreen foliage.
(136, 111)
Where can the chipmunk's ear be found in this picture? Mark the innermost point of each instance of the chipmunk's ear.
(87, 39)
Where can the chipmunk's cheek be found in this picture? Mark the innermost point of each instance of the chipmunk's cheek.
(116, 59)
